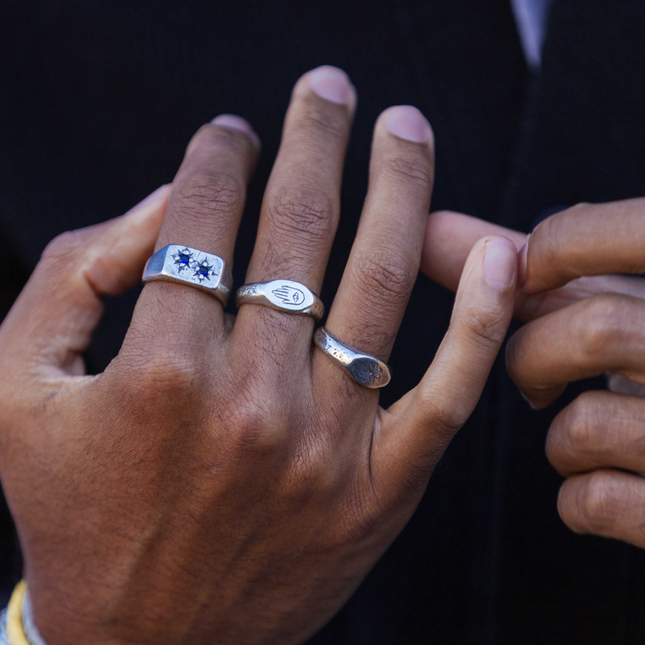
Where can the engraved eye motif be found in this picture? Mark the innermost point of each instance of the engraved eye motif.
(289, 295)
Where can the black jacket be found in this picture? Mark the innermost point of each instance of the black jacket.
(98, 99)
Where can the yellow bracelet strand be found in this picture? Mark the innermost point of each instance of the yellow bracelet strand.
(15, 629)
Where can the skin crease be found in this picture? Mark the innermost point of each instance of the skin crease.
(222, 481)
(582, 322)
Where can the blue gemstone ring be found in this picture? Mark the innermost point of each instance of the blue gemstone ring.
(204, 271)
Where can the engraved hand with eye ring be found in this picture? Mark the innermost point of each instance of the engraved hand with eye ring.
(224, 480)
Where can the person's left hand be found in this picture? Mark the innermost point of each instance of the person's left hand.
(583, 323)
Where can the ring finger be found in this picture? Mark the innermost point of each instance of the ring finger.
(385, 258)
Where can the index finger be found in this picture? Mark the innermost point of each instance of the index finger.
(450, 236)
(586, 240)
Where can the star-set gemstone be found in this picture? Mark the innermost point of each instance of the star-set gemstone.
(203, 271)
(183, 258)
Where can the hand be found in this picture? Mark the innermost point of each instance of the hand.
(222, 481)
(582, 326)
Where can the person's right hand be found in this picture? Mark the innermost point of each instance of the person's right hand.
(221, 481)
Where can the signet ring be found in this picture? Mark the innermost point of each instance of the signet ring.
(198, 269)
(283, 295)
(365, 369)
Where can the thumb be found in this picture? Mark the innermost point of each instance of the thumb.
(52, 321)
(416, 430)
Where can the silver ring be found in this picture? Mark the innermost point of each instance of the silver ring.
(366, 370)
(283, 295)
(204, 271)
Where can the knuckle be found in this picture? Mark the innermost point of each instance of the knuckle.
(550, 243)
(63, 247)
(601, 325)
(411, 169)
(252, 427)
(204, 194)
(581, 425)
(385, 277)
(486, 326)
(596, 503)
(306, 216)
(446, 423)
(165, 374)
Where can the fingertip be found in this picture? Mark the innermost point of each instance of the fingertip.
(239, 124)
(407, 122)
(540, 400)
(331, 84)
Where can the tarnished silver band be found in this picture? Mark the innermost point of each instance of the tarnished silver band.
(283, 295)
(195, 268)
(366, 370)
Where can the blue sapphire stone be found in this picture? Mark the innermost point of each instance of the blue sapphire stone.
(203, 270)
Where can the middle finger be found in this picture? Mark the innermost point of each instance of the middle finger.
(301, 204)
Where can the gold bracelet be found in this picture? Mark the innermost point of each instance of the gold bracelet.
(15, 630)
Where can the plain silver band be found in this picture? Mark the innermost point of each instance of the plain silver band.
(366, 370)
(192, 267)
(284, 295)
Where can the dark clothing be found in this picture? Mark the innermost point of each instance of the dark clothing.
(98, 99)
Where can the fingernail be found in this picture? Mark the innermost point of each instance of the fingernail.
(150, 198)
(330, 83)
(406, 122)
(233, 122)
(500, 263)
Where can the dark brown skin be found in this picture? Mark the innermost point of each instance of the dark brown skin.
(222, 481)
(583, 322)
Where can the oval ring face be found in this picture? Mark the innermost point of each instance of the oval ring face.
(288, 294)
(366, 370)
(283, 295)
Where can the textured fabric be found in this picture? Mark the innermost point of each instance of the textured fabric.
(97, 102)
